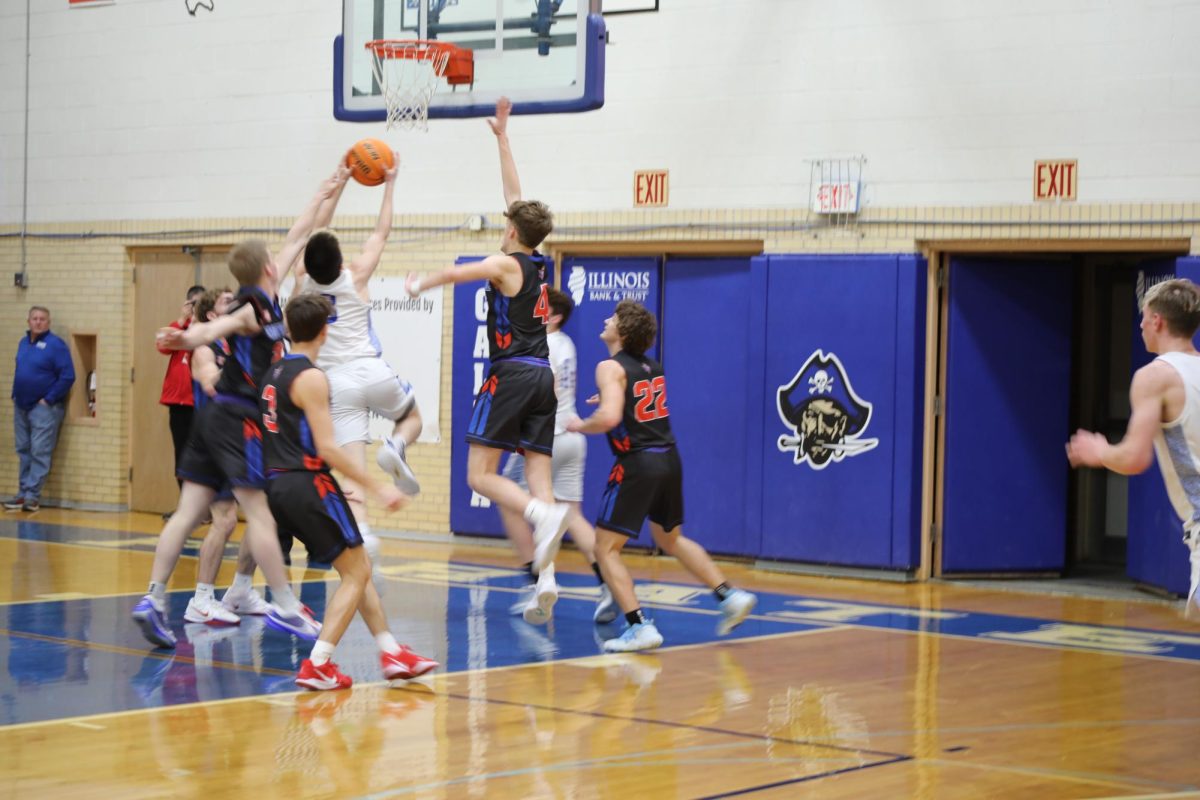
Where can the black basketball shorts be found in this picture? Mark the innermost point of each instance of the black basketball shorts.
(515, 408)
(645, 483)
(225, 447)
(311, 507)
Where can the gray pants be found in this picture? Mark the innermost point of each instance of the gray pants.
(36, 433)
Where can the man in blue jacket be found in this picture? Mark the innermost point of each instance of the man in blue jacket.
(41, 380)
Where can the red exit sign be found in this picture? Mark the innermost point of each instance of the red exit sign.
(1055, 180)
(650, 188)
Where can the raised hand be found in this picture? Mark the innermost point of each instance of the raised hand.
(499, 123)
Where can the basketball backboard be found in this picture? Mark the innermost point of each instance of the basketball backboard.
(547, 56)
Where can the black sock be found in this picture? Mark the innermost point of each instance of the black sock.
(635, 617)
(599, 576)
(529, 570)
(722, 591)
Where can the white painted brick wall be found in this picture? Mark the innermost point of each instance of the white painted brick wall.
(139, 111)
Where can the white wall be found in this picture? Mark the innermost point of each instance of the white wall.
(140, 111)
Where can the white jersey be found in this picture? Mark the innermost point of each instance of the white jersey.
(350, 335)
(563, 363)
(1177, 443)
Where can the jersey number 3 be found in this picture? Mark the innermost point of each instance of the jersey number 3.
(270, 418)
(542, 310)
(652, 399)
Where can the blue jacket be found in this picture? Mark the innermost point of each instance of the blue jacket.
(44, 371)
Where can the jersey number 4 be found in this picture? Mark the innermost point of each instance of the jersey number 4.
(652, 399)
(542, 310)
(270, 419)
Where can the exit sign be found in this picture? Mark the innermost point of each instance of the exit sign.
(1055, 180)
(650, 188)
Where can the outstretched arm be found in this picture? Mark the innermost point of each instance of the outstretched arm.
(241, 322)
(297, 237)
(1135, 452)
(503, 271)
(611, 380)
(508, 167)
(362, 267)
(310, 392)
(205, 370)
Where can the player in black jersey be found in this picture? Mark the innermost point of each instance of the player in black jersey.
(647, 478)
(300, 447)
(241, 598)
(516, 405)
(226, 443)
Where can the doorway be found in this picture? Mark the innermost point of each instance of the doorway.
(1028, 345)
(161, 281)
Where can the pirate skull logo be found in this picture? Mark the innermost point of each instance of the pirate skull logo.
(825, 415)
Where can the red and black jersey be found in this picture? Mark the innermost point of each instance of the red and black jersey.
(287, 439)
(251, 355)
(644, 423)
(517, 325)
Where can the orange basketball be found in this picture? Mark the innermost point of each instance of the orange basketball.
(368, 160)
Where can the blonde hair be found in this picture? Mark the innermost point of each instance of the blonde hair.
(248, 260)
(1178, 303)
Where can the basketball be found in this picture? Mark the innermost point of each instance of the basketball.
(368, 160)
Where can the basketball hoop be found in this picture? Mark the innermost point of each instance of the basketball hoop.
(408, 72)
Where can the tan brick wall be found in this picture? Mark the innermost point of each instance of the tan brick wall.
(82, 272)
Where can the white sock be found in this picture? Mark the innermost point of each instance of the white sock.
(387, 643)
(204, 591)
(286, 601)
(321, 653)
(158, 592)
(242, 584)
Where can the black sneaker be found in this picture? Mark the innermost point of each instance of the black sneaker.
(14, 503)
(31, 506)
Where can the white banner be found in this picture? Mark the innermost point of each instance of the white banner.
(410, 331)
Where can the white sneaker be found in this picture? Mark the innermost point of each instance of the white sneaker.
(734, 610)
(208, 611)
(390, 459)
(248, 602)
(606, 609)
(643, 636)
(540, 608)
(302, 623)
(524, 598)
(549, 525)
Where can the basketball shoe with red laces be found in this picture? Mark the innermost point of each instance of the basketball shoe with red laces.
(323, 678)
(405, 665)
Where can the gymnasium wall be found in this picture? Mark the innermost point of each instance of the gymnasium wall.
(138, 111)
(151, 128)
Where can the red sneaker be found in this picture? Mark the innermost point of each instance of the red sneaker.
(405, 664)
(322, 678)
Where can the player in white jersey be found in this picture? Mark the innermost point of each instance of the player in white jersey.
(1164, 399)
(566, 467)
(360, 381)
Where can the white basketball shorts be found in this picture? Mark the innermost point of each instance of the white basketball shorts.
(566, 467)
(360, 387)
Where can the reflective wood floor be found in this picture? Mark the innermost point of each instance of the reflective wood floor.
(838, 689)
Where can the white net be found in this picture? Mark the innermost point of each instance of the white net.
(408, 75)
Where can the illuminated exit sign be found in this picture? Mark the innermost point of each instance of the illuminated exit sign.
(1055, 180)
(650, 188)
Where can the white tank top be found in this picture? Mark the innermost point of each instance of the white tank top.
(350, 335)
(1177, 443)
(563, 363)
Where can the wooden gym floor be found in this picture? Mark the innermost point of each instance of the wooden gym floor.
(833, 689)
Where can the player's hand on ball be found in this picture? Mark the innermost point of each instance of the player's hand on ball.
(412, 285)
(1087, 449)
